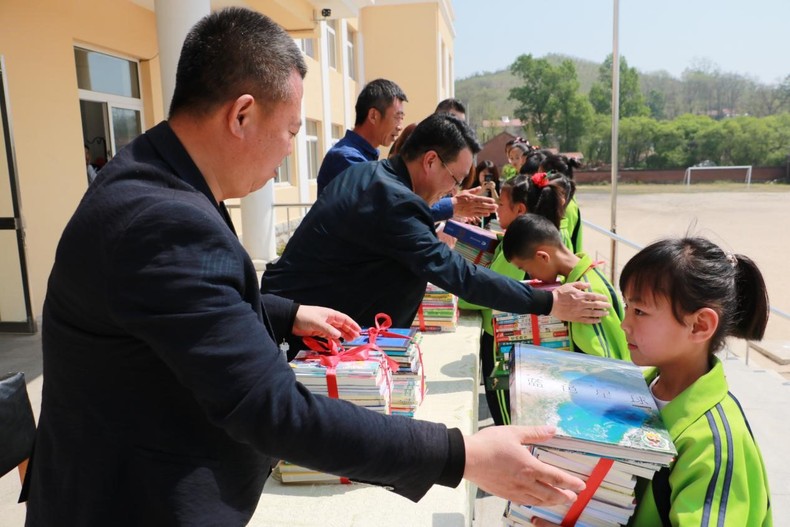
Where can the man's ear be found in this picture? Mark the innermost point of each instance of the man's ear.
(239, 113)
(373, 115)
(703, 323)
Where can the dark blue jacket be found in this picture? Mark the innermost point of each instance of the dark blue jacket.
(368, 245)
(352, 149)
(165, 398)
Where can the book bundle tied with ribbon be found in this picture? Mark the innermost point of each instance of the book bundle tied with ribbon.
(438, 311)
(473, 243)
(609, 431)
(403, 346)
(539, 330)
(361, 372)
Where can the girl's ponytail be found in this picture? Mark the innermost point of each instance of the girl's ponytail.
(751, 298)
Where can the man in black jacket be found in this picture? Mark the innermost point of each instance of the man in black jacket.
(368, 244)
(166, 398)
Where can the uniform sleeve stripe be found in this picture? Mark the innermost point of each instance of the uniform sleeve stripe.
(725, 491)
(612, 294)
(598, 328)
(743, 415)
(717, 465)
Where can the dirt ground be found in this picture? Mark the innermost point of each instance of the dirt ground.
(754, 222)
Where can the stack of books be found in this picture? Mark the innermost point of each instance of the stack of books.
(366, 383)
(408, 382)
(609, 431)
(540, 330)
(473, 243)
(438, 311)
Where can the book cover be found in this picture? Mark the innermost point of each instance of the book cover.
(472, 235)
(600, 406)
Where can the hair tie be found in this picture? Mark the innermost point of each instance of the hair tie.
(732, 259)
(540, 179)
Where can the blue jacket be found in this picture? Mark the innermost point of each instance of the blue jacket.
(368, 245)
(350, 150)
(166, 399)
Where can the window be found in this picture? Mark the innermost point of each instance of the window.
(331, 43)
(284, 171)
(337, 134)
(311, 136)
(307, 45)
(110, 103)
(350, 54)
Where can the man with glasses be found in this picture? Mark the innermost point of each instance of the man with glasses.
(378, 122)
(368, 245)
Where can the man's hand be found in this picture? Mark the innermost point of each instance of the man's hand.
(573, 304)
(467, 204)
(498, 463)
(317, 321)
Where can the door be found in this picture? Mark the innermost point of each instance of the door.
(15, 311)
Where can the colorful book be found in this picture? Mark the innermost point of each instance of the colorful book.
(599, 406)
(472, 235)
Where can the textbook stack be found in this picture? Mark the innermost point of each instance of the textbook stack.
(366, 383)
(408, 383)
(609, 431)
(473, 243)
(438, 311)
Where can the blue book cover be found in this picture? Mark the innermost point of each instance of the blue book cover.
(387, 343)
(600, 406)
(472, 235)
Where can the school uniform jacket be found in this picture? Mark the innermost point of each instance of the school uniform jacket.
(571, 227)
(501, 266)
(166, 399)
(606, 338)
(718, 478)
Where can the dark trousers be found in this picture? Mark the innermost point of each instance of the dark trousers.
(498, 400)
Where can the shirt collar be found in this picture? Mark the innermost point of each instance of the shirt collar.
(361, 144)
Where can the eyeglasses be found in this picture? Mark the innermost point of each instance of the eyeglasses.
(457, 182)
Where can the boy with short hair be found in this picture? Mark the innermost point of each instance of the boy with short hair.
(533, 244)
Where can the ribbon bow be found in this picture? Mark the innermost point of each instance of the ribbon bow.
(380, 329)
(540, 179)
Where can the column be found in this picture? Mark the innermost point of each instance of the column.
(258, 233)
(174, 19)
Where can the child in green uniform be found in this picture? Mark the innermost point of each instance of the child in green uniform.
(683, 297)
(517, 196)
(533, 244)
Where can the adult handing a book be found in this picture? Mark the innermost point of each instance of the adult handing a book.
(166, 398)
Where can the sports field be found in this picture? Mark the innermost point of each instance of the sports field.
(754, 222)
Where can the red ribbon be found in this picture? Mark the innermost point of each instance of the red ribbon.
(540, 179)
(535, 330)
(381, 323)
(421, 318)
(593, 482)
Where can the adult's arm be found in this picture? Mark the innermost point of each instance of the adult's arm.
(464, 204)
(179, 289)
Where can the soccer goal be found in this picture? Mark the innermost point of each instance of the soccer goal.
(747, 168)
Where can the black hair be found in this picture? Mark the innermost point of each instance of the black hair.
(559, 163)
(449, 105)
(532, 164)
(692, 273)
(378, 94)
(232, 52)
(526, 233)
(443, 133)
(547, 197)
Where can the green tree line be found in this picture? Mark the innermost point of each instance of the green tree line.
(706, 116)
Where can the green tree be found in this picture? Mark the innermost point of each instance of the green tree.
(536, 107)
(574, 111)
(636, 136)
(632, 102)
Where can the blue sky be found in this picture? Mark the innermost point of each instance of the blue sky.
(749, 38)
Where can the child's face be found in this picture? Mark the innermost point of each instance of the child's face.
(654, 335)
(515, 157)
(539, 267)
(507, 211)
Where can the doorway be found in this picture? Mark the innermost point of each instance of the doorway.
(15, 310)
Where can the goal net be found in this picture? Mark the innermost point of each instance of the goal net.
(745, 168)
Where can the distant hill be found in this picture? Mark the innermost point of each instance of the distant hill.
(485, 94)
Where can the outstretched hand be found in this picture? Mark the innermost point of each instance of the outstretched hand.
(573, 304)
(467, 204)
(498, 463)
(317, 321)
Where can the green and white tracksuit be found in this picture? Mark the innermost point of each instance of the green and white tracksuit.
(718, 478)
(498, 400)
(571, 227)
(606, 338)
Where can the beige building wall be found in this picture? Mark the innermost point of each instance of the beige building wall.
(37, 38)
